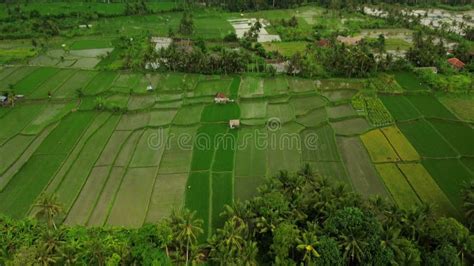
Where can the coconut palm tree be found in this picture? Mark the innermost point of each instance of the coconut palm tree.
(307, 244)
(49, 209)
(186, 229)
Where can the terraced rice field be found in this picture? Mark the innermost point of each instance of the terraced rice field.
(145, 153)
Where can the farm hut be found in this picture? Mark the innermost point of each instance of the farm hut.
(234, 123)
(3, 100)
(456, 63)
(221, 98)
(149, 88)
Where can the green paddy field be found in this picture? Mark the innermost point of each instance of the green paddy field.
(118, 155)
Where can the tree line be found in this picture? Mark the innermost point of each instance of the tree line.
(295, 219)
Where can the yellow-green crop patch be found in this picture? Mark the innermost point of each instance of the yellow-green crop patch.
(402, 146)
(398, 186)
(379, 147)
(426, 188)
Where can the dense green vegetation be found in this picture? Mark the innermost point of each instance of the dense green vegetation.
(295, 218)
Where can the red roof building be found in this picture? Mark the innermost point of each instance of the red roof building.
(220, 95)
(456, 63)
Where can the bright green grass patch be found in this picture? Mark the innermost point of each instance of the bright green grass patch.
(282, 112)
(353, 126)
(113, 147)
(339, 95)
(27, 184)
(150, 148)
(211, 87)
(398, 186)
(426, 140)
(400, 107)
(319, 145)
(77, 81)
(101, 209)
(334, 171)
(341, 111)
(177, 157)
(6, 71)
(458, 134)
(402, 146)
(11, 150)
(304, 104)
(451, 176)
(141, 102)
(134, 121)
(188, 115)
(234, 87)
(205, 145)
(100, 83)
(23, 155)
(378, 147)
(251, 153)
(198, 197)
(72, 126)
(74, 180)
(161, 117)
(171, 82)
(222, 194)
(462, 106)
(220, 112)
(50, 114)
(301, 85)
(168, 194)
(84, 204)
(127, 149)
(409, 81)
(396, 44)
(287, 49)
(284, 149)
(95, 125)
(253, 109)
(11, 55)
(251, 86)
(225, 152)
(131, 202)
(275, 86)
(19, 117)
(427, 189)
(429, 106)
(314, 118)
(15, 77)
(129, 81)
(50, 85)
(34, 80)
(90, 44)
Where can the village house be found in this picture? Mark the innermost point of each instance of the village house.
(220, 98)
(456, 63)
